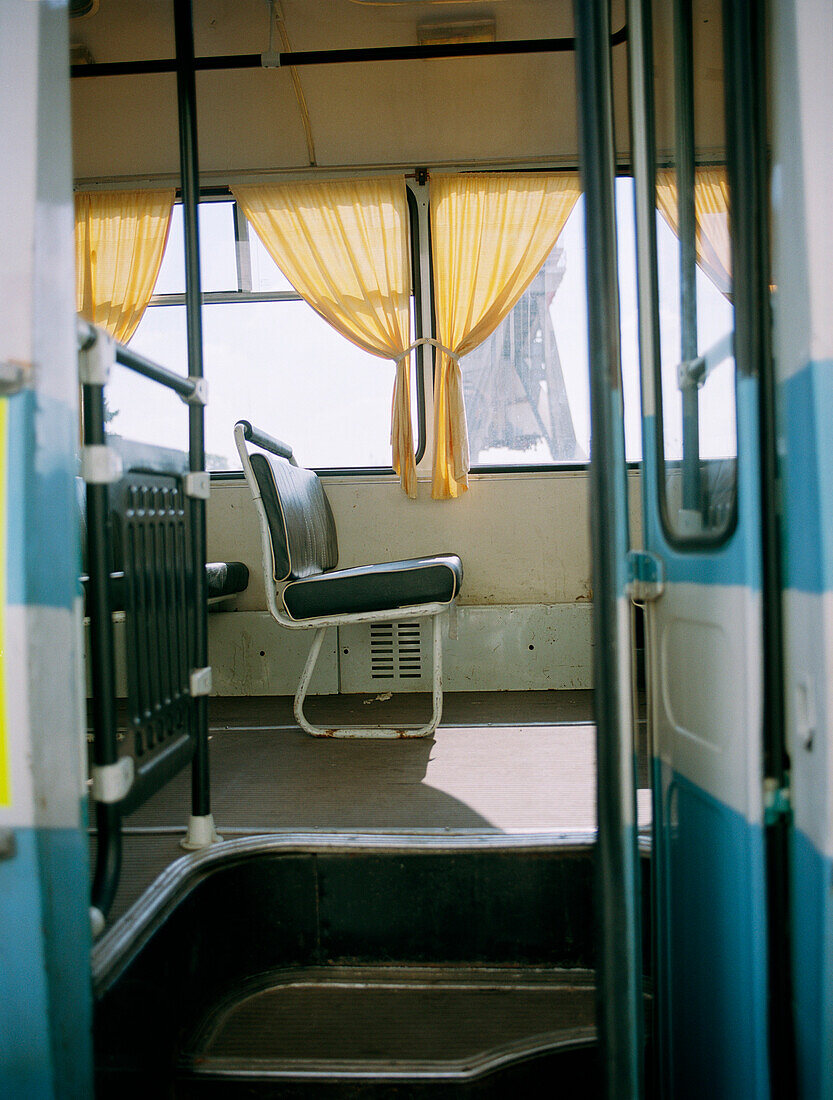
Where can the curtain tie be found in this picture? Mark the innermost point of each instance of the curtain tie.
(427, 340)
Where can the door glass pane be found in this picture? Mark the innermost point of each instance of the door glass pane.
(697, 425)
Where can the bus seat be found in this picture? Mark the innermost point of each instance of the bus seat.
(305, 588)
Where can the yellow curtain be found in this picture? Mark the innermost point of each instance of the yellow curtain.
(711, 208)
(120, 237)
(490, 233)
(344, 246)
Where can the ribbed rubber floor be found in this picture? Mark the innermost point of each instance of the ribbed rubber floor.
(397, 1022)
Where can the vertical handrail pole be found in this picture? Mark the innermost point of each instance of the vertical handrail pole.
(687, 217)
(619, 968)
(643, 160)
(102, 665)
(189, 175)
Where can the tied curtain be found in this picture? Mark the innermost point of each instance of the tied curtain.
(120, 238)
(490, 234)
(344, 246)
(711, 206)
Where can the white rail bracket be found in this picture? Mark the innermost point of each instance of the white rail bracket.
(96, 358)
(111, 782)
(200, 834)
(200, 682)
(14, 374)
(199, 396)
(198, 485)
(100, 465)
(271, 59)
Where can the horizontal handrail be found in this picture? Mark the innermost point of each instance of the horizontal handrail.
(185, 387)
(266, 442)
(339, 57)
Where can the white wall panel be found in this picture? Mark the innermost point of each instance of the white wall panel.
(523, 538)
(530, 647)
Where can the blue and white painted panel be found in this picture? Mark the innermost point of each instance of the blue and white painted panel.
(705, 647)
(803, 242)
(708, 692)
(712, 966)
(808, 634)
(44, 887)
(808, 625)
(805, 402)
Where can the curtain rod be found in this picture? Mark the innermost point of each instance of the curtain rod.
(338, 57)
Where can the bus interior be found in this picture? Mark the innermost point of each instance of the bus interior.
(414, 535)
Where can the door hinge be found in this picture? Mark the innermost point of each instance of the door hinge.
(777, 802)
(646, 576)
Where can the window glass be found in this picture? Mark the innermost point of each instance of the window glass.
(277, 364)
(697, 425)
(218, 261)
(527, 388)
(266, 275)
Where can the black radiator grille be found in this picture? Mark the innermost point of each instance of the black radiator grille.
(396, 651)
(152, 514)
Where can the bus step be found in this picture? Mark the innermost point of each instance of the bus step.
(375, 1029)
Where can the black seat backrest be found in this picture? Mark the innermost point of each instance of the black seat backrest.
(301, 524)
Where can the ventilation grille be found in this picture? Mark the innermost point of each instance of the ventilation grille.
(396, 651)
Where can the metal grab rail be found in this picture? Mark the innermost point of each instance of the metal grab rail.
(454, 51)
(163, 560)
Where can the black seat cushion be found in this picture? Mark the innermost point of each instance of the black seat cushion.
(226, 578)
(383, 587)
(301, 524)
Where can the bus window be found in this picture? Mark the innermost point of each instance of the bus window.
(527, 388)
(267, 356)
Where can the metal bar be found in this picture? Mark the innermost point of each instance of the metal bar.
(340, 57)
(189, 168)
(640, 68)
(745, 89)
(687, 218)
(619, 964)
(228, 297)
(643, 152)
(133, 361)
(102, 664)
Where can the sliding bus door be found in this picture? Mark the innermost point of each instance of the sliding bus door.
(694, 134)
